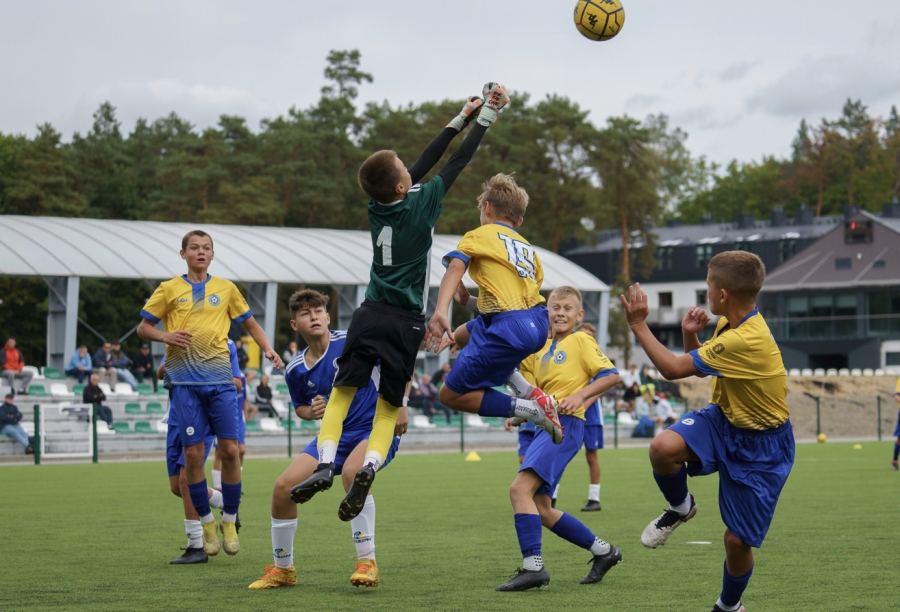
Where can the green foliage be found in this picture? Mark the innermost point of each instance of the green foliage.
(23, 315)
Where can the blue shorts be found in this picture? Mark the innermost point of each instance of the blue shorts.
(593, 437)
(175, 450)
(897, 429)
(242, 428)
(348, 442)
(549, 460)
(753, 467)
(526, 437)
(202, 408)
(497, 345)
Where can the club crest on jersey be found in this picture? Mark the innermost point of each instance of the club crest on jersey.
(560, 357)
(214, 300)
(687, 421)
(181, 300)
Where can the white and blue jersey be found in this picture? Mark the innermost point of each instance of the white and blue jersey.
(305, 383)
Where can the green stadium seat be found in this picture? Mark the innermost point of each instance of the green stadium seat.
(52, 373)
(145, 389)
(155, 408)
(121, 427)
(133, 408)
(78, 390)
(37, 390)
(282, 389)
(253, 426)
(142, 427)
(609, 419)
(310, 425)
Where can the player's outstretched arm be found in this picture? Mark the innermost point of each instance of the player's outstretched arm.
(440, 321)
(147, 331)
(259, 336)
(435, 149)
(672, 367)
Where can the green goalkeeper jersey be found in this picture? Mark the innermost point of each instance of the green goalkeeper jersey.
(401, 241)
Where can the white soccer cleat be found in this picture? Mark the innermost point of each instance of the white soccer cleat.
(659, 530)
(548, 418)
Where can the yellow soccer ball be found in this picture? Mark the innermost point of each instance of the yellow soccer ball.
(599, 19)
(822, 437)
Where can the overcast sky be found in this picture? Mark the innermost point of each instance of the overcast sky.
(737, 76)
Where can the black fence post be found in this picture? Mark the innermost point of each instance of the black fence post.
(37, 434)
(96, 457)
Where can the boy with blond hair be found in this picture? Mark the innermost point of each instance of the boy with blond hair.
(512, 323)
(744, 433)
(572, 368)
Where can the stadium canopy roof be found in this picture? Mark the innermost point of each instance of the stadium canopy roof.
(101, 248)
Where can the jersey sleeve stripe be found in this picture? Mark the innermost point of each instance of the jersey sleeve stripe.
(152, 318)
(702, 366)
(605, 373)
(243, 317)
(455, 255)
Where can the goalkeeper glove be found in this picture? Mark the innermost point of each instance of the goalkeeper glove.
(495, 99)
(466, 115)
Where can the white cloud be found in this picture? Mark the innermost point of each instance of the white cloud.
(736, 72)
(642, 101)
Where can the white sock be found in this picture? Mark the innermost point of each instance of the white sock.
(217, 480)
(733, 608)
(684, 507)
(555, 492)
(599, 547)
(327, 451)
(594, 492)
(194, 532)
(283, 531)
(532, 563)
(363, 528)
(228, 517)
(374, 459)
(215, 500)
(528, 409)
(520, 387)
(208, 518)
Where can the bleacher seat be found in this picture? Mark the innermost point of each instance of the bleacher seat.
(868, 372)
(309, 425)
(831, 372)
(474, 421)
(37, 390)
(109, 393)
(269, 424)
(794, 372)
(855, 372)
(420, 421)
(879, 372)
(145, 389)
(161, 427)
(843, 372)
(78, 389)
(103, 429)
(155, 408)
(124, 390)
(133, 408)
(806, 372)
(625, 418)
(282, 389)
(819, 372)
(53, 373)
(121, 427)
(61, 391)
(280, 409)
(252, 425)
(35, 373)
(609, 419)
(28, 427)
(143, 427)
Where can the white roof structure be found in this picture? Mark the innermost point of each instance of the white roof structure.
(101, 248)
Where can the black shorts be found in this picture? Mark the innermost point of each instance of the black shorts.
(386, 333)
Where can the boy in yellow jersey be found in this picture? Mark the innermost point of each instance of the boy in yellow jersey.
(197, 310)
(571, 367)
(513, 319)
(744, 433)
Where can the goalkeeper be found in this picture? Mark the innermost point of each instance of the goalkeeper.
(390, 324)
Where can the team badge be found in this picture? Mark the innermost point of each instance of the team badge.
(214, 300)
(560, 357)
(687, 422)
(719, 348)
(311, 385)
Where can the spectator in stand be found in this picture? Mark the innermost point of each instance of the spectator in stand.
(9, 423)
(648, 380)
(12, 365)
(664, 414)
(122, 364)
(142, 366)
(631, 377)
(80, 364)
(290, 352)
(630, 396)
(93, 394)
(103, 364)
(264, 395)
(438, 377)
(425, 398)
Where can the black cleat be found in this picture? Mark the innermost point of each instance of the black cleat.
(190, 555)
(353, 502)
(741, 608)
(591, 506)
(320, 480)
(602, 564)
(526, 579)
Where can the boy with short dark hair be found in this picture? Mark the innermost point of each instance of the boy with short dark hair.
(513, 319)
(744, 434)
(390, 324)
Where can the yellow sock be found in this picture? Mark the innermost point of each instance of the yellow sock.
(382, 435)
(333, 421)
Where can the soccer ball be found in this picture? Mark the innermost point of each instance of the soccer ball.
(822, 437)
(599, 19)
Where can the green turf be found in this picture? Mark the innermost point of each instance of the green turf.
(99, 537)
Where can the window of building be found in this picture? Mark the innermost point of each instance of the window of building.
(892, 359)
(845, 314)
(858, 232)
(664, 258)
(704, 254)
(878, 310)
(843, 263)
(665, 299)
(667, 337)
(879, 264)
(787, 247)
(797, 314)
(701, 297)
(821, 310)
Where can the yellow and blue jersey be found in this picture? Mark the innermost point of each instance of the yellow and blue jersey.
(566, 367)
(505, 267)
(206, 310)
(750, 384)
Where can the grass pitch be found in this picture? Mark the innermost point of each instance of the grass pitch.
(99, 537)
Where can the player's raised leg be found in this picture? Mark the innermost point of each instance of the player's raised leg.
(668, 455)
(362, 526)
